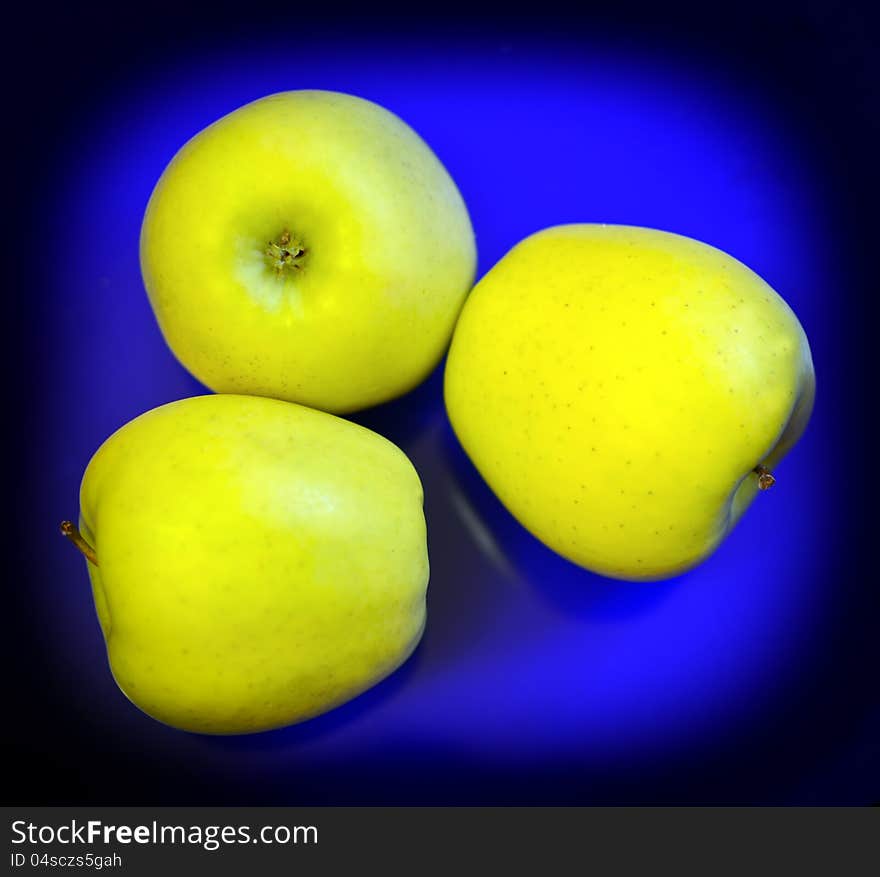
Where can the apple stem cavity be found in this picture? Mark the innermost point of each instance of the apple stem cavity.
(766, 479)
(286, 254)
(71, 531)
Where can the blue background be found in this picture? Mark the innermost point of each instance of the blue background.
(739, 682)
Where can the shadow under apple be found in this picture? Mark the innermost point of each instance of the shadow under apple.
(405, 419)
(320, 726)
(570, 588)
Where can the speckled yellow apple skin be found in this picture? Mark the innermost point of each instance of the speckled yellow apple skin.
(616, 387)
(389, 253)
(258, 562)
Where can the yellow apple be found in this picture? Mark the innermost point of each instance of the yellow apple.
(308, 246)
(253, 562)
(626, 392)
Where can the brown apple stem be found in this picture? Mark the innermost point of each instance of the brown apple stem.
(766, 479)
(286, 254)
(69, 529)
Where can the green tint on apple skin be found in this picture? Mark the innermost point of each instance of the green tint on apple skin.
(626, 392)
(308, 246)
(254, 562)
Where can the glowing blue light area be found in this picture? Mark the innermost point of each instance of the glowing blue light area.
(527, 660)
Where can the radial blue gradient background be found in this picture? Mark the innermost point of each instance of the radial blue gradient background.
(536, 681)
